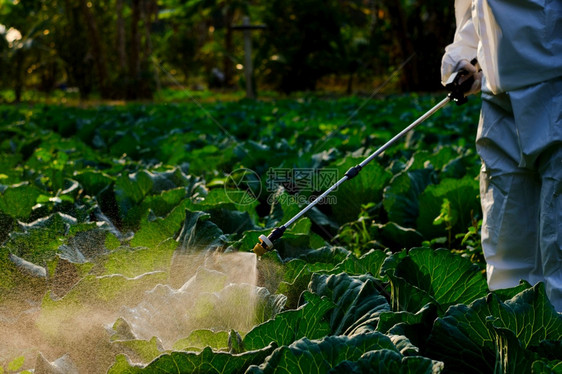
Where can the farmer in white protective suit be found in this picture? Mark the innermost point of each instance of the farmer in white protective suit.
(518, 46)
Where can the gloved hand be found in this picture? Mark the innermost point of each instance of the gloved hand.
(471, 71)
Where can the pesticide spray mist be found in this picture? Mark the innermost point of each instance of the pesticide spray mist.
(221, 295)
(214, 291)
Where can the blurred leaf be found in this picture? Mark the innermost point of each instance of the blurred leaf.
(199, 339)
(93, 181)
(18, 200)
(463, 197)
(143, 350)
(364, 188)
(401, 196)
(206, 361)
(198, 232)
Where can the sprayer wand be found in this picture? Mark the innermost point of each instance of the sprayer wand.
(456, 93)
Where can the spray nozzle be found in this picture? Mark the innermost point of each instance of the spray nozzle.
(266, 242)
(263, 246)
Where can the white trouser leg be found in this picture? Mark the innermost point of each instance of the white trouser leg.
(510, 228)
(509, 195)
(520, 142)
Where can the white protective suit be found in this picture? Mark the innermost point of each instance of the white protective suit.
(518, 44)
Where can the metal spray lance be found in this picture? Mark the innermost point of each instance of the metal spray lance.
(456, 87)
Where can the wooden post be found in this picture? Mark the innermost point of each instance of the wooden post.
(248, 64)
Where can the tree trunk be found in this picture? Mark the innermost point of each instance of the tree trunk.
(72, 47)
(97, 49)
(374, 14)
(432, 34)
(229, 47)
(349, 89)
(18, 73)
(406, 49)
(150, 9)
(121, 53)
(48, 76)
(134, 57)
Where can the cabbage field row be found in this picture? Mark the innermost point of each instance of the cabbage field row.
(126, 234)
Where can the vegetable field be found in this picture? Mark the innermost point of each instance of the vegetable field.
(126, 236)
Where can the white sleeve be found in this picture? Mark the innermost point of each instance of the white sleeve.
(465, 43)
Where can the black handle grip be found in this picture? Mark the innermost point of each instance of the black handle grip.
(277, 233)
(456, 89)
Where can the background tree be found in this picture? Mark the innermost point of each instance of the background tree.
(183, 36)
(97, 48)
(219, 16)
(70, 43)
(116, 47)
(421, 29)
(355, 54)
(24, 47)
(300, 44)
